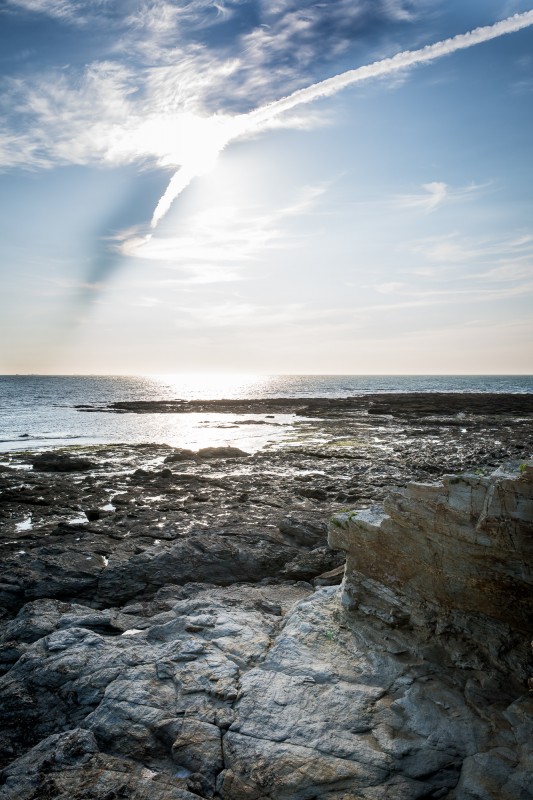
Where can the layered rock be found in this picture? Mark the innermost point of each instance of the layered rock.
(447, 567)
(457, 553)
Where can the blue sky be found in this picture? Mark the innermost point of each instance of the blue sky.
(182, 192)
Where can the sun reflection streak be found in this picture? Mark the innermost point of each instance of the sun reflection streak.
(214, 386)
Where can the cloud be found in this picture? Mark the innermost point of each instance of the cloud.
(390, 287)
(162, 62)
(117, 112)
(235, 314)
(449, 249)
(477, 271)
(260, 119)
(275, 42)
(386, 66)
(221, 240)
(453, 297)
(93, 122)
(436, 194)
(164, 96)
(455, 249)
(66, 10)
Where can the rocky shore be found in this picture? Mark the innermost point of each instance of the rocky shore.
(173, 624)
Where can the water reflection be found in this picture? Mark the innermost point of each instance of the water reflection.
(213, 386)
(250, 432)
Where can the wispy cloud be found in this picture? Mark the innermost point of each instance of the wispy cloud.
(389, 287)
(66, 10)
(237, 314)
(175, 107)
(470, 271)
(117, 113)
(409, 58)
(436, 194)
(454, 249)
(221, 240)
(260, 119)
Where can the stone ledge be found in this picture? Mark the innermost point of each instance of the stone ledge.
(460, 546)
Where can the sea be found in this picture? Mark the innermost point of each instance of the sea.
(38, 411)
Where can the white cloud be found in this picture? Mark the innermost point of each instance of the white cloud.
(92, 121)
(471, 271)
(386, 66)
(236, 314)
(68, 10)
(449, 249)
(221, 240)
(255, 121)
(455, 249)
(114, 114)
(436, 194)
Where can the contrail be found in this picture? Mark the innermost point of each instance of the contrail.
(179, 181)
(256, 120)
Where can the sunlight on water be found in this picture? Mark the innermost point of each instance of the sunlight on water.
(213, 386)
(41, 411)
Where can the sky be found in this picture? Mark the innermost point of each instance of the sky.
(256, 186)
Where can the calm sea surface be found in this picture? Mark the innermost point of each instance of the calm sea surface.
(38, 411)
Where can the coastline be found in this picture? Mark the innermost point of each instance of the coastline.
(396, 403)
(133, 550)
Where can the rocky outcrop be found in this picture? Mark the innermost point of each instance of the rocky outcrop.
(447, 568)
(253, 693)
(124, 676)
(456, 554)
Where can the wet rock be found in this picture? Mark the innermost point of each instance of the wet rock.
(61, 462)
(53, 571)
(222, 452)
(397, 403)
(314, 493)
(180, 454)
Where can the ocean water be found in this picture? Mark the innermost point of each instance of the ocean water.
(38, 411)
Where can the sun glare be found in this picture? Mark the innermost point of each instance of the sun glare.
(184, 140)
(187, 142)
(211, 385)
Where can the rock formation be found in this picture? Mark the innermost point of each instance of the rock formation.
(200, 665)
(447, 568)
(457, 553)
